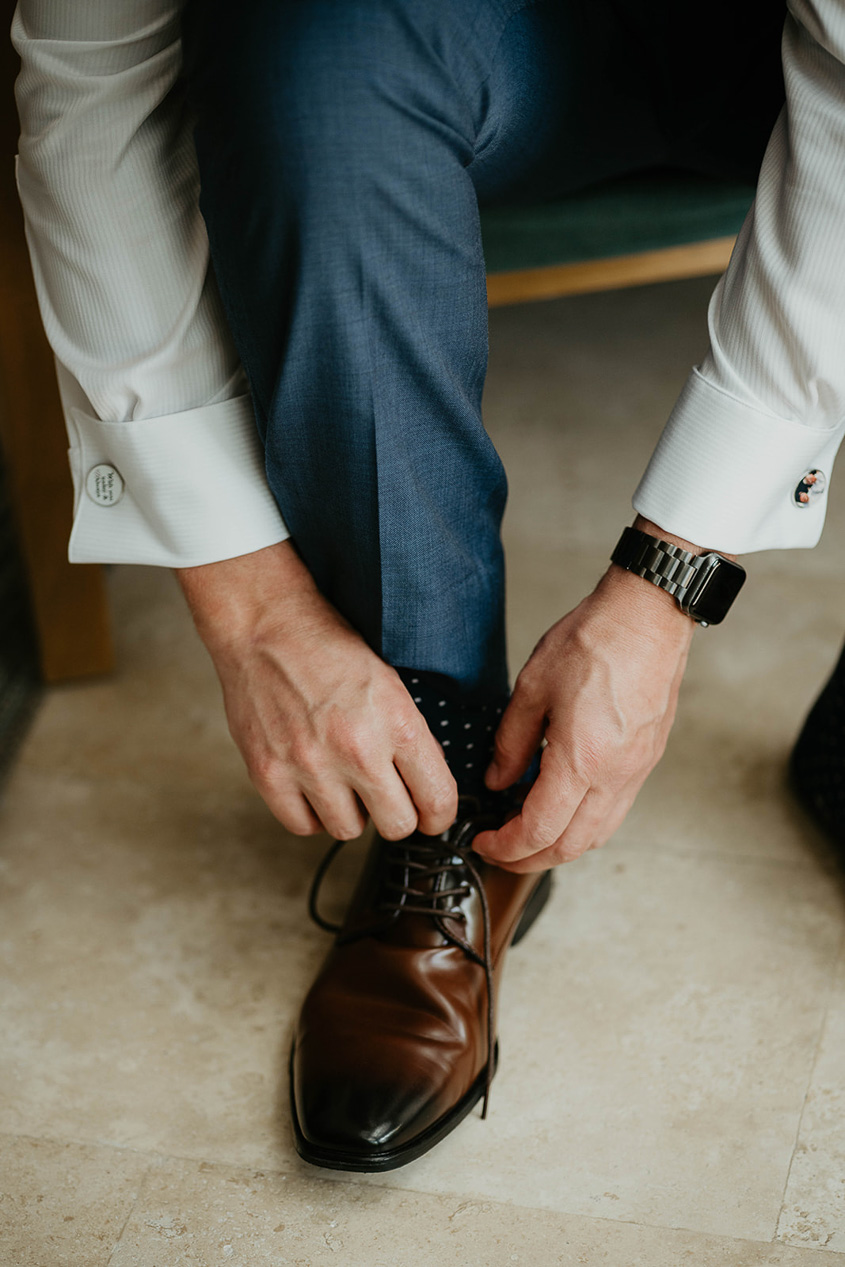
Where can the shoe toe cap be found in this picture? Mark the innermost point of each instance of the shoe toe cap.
(368, 1107)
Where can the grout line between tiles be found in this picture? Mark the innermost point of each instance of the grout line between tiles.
(838, 959)
(156, 1159)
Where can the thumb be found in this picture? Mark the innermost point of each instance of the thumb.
(517, 740)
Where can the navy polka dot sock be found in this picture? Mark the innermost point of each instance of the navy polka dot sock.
(465, 728)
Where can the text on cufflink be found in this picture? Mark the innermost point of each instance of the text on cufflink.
(104, 485)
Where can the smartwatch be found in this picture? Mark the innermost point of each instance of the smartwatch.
(703, 585)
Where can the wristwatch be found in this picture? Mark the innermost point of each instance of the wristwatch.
(703, 585)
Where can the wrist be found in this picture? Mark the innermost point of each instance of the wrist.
(701, 583)
(233, 600)
(643, 607)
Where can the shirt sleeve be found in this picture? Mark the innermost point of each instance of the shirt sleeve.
(167, 465)
(767, 405)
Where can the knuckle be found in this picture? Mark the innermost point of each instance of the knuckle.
(442, 799)
(538, 832)
(542, 836)
(264, 771)
(398, 828)
(294, 816)
(347, 830)
(564, 849)
(532, 677)
(570, 853)
(343, 820)
(304, 756)
(590, 759)
(298, 826)
(406, 732)
(354, 749)
(504, 745)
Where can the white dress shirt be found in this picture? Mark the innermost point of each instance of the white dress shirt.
(166, 462)
(151, 384)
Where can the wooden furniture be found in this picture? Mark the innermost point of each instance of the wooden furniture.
(612, 272)
(644, 228)
(68, 601)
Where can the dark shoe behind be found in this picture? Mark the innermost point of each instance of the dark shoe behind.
(817, 764)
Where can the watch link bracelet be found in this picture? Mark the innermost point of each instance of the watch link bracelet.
(703, 585)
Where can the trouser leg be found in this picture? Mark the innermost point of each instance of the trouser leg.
(342, 147)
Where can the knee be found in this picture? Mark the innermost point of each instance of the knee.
(308, 69)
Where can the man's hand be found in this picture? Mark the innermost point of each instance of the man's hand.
(326, 728)
(602, 686)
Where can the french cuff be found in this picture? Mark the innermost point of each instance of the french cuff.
(732, 477)
(173, 491)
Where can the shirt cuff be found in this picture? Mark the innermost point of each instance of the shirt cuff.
(728, 476)
(175, 491)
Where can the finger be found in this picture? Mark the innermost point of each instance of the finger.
(518, 737)
(593, 824)
(590, 826)
(293, 811)
(546, 813)
(420, 761)
(338, 809)
(390, 806)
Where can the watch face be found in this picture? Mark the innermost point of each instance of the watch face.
(716, 591)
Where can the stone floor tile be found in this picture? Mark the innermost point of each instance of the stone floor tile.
(64, 1203)
(158, 720)
(658, 1030)
(154, 946)
(197, 1215)
(814, 1204)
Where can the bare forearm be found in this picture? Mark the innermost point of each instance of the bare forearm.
(231, 599)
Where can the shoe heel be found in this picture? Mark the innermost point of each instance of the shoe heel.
(534, 906)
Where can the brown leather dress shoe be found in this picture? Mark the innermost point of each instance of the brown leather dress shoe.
(395, 1042)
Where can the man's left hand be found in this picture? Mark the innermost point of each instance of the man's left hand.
(602, 687)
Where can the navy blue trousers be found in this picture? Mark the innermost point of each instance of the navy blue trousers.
(344, 148)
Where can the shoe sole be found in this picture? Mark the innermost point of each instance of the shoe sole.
(392, 1158)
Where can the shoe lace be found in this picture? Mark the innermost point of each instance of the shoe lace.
(428, 861)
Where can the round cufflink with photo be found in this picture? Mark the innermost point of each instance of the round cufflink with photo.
(104, 485)
(811, 485)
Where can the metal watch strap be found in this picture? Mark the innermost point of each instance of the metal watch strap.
(664, 564)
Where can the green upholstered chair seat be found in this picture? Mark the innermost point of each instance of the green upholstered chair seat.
(619, 217)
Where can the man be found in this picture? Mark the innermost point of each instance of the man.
(343, 147)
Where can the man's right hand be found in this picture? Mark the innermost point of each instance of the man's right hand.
(326, 728)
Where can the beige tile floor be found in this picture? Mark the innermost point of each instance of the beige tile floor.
(672, 1087)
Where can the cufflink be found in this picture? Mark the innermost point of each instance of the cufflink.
(810, 485)
(104, 485)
